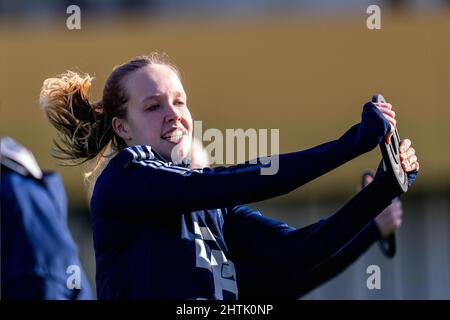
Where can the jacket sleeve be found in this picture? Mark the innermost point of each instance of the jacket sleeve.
(170, 188)
(287, 255)
(342, 259)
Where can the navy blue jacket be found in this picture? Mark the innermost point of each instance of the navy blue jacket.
(37, 247)
(162, 231)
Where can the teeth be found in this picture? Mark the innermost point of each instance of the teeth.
(174, 138)
(174, 135)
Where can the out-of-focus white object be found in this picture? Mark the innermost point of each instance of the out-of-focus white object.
(18, 158)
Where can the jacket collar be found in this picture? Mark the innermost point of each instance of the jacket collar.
(144, 152)
(18, 158)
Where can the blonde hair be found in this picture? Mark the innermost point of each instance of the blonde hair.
(84, 127)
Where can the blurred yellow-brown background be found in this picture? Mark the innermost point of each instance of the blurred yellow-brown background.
(306, 72)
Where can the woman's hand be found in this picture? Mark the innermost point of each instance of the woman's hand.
(408, 156)
(390, 219)
(389, 114)
(377, 123)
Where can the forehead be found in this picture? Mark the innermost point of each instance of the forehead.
(151, 80)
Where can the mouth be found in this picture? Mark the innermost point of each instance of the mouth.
(174, 136)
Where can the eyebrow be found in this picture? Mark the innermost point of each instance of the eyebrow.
(176, 93)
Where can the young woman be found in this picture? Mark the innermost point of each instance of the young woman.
(165, 231)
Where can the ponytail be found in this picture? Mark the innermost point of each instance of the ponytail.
(82, 126)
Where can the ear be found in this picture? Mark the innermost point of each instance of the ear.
(121, 127)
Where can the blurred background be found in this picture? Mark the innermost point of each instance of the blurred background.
(303, 67)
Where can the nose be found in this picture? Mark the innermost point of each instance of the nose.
(172, 114)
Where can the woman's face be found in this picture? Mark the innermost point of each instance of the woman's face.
(157, 114)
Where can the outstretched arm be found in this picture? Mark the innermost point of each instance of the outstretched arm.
(341, 259)
(228, 186)
(260, 280)
(275, 260)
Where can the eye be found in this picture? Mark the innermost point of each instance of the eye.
(179, 102)
(153, 107)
